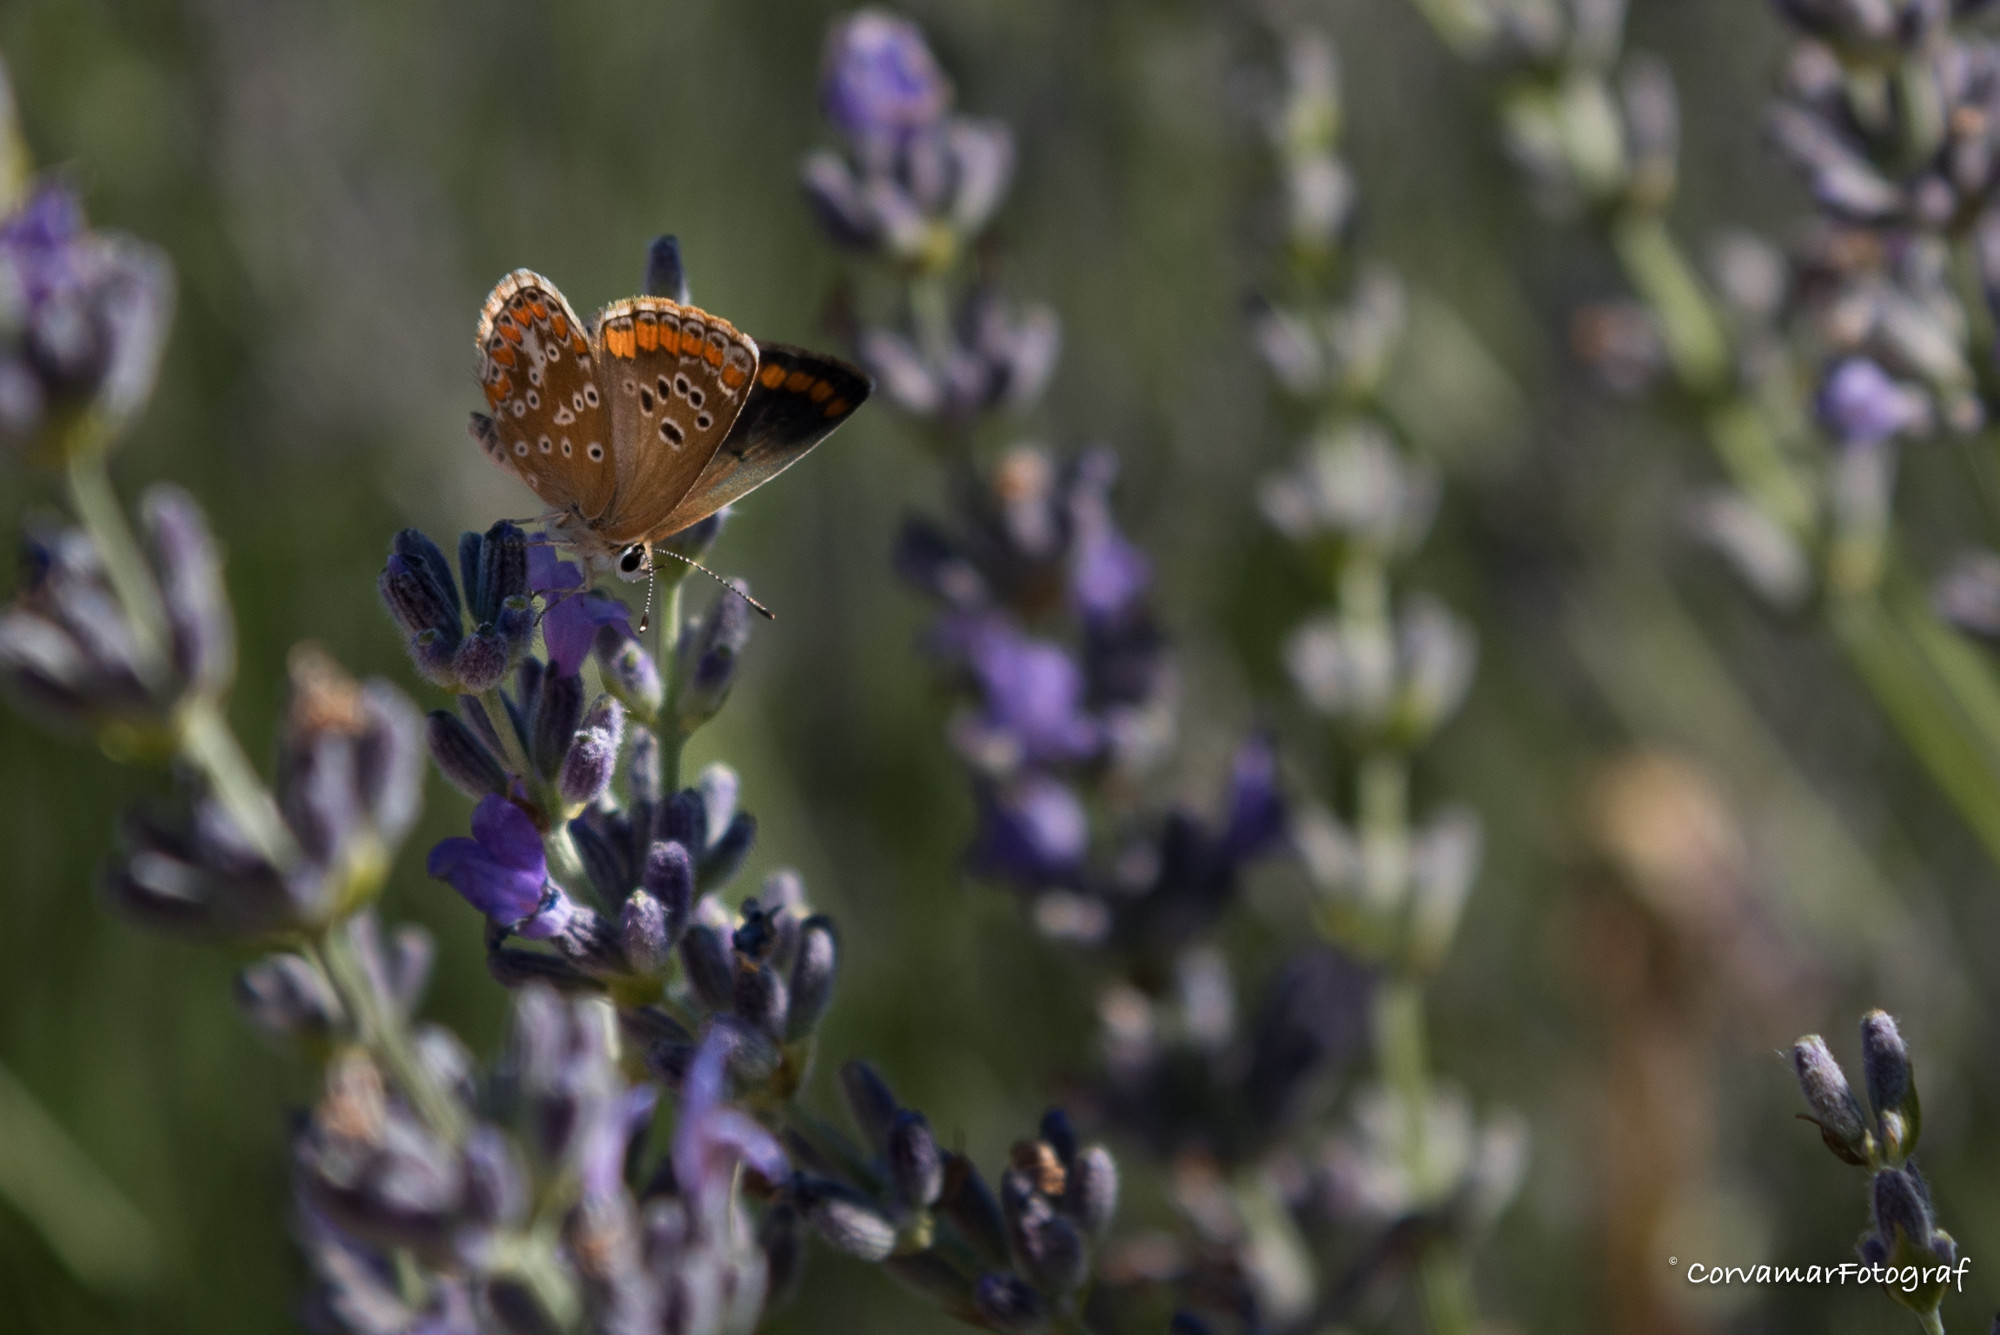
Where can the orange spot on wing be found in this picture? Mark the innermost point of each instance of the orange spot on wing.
(733, 376)
(713, 354)
(578, 342)
(620, 342)
(504, 355)
(820, 390)
(561, 326)
(541, 311)
(648, 334)
(797, 381)
(510, 331)
(691, 335)
(771, 376)
(494, 394)
(837, 408)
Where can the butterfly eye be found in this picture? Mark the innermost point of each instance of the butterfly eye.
(632, 559)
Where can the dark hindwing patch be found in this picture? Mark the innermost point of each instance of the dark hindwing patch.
(679, 377)
(550, 425)
(797, 400)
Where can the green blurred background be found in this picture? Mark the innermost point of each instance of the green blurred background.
(1702, 839)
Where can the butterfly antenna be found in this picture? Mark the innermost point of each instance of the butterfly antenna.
(762, 610)
(652, 582)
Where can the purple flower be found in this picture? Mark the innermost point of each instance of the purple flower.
(571, 623)
(1108, 574)
(879, 79)
(1033, 697)
(503, 872)
(1862, 405)
(38, 243)
(711, 1138)
(1034, 832)
(1255, 809)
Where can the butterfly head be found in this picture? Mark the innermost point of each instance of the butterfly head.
(633, 563)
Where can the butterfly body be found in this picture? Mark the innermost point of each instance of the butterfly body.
(653, 418)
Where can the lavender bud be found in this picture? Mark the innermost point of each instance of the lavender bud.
(982, 155)
(1054, 1254)
(970, 1206)
(1833, 1104)
(593, 753)
(1892, 1094)
(414, 599)
(1059, 1134)
(287, 998)
(496, 1190)
(446, 1060)
(915, 1166)
(408, 967)
(1091, 1194)
(558, 713)
(760, 998)
(462, 758)
(642, 771)
(666, 276)
(916, 1169)
(1902, 1206)
(629, 671)
(1006, 1303)
(197, 606)
(669, 878)
(844, 1219)
(643, 934)
(869, 1102)
(705, 957)
(725, 856)
(513, 968)
(683, 819)
(708, 655)
(813, 972)
(480, 663)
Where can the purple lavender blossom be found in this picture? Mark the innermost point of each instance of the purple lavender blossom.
(1862, 405)
(1031, 694)
(711, 1138)
(1033, 831)
(879, 79)
(503, 872)
(575, 615)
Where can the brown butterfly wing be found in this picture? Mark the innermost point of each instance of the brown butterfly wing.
(798, 399)
(552, 424)
(677, 378)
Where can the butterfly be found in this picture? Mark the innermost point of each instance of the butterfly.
(652, 419)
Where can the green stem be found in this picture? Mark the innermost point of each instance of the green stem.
(1447, 1291)
(211, 747)
(673, 740)
(125, 565)
(380, 1029)
(1925, 708)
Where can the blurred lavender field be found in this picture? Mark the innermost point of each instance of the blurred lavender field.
(1629, 643)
